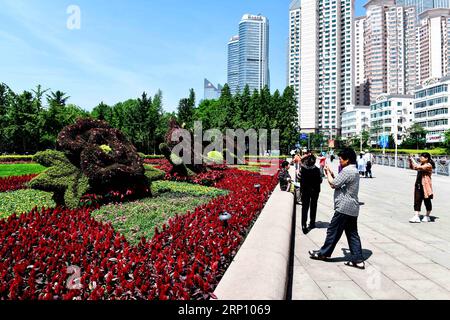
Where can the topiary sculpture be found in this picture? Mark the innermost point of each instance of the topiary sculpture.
(95, 157)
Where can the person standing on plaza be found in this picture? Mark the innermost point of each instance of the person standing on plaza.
(346, 205)
(284, 177)
(423, 188)
(322, 163)
(297, 159)
(369, 161)
(310, 182)
(362, 165)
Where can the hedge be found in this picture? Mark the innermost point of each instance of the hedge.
(16, 158)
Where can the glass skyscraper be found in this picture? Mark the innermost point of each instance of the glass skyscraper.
(210, 91)
(233, 64)
(253, 52)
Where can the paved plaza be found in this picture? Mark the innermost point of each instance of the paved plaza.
(404, 261)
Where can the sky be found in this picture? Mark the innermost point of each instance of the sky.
(123, 48)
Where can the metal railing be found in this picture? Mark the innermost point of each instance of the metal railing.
(442, 163)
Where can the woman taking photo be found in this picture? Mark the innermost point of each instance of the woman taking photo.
(423, 189)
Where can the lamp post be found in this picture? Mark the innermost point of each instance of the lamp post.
(224, 217)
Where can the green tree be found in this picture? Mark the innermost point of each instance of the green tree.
(102, 112)
(186, 108)
(447, 140)
(286, 118)
(22, 128)
(415, 137)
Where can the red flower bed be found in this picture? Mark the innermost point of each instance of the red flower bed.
(185, 260)
(156, 161)
(15, 183)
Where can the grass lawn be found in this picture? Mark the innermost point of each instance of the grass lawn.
(138, 219)
(10, 170)
(23, 201)
(247, 168)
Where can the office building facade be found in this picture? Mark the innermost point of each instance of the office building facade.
(355, 120)
(293, 77)
(390, 115)
(210, 91)
(361, 84)
(433, 44)
(401, 49)
(326, 64)
(431, 108)
(423, 5)
(254, 52)
(233, 64)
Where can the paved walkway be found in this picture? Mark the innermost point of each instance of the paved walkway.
(404, 261)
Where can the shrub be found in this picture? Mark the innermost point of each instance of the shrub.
(66, 181)
(16, 159)
(24, 201)
(154, 174)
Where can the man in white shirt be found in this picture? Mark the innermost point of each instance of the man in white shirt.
(368, 157)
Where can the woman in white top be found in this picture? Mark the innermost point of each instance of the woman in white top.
(362, 165)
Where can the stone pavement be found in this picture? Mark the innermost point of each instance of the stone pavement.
(404, 261)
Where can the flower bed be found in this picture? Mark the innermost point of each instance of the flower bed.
(15, 183)
(184, 260)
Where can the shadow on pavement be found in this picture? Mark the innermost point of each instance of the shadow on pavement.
(347, 255)
(322, 225)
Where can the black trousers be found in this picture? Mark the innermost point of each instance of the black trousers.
(419, 196)
(339, 224)
(309, 203)
(369, 169)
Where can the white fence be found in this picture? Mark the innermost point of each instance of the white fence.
(442, 163)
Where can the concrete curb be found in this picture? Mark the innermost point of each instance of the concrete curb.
(260, 269)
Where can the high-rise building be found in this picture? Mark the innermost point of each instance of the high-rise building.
(423, 5)
(433, 44)
(327, 62)
(361, 84)
(375, 52)
(233, 64)
(254, 52)
(293, 79)
(401, 49)
(210, 91)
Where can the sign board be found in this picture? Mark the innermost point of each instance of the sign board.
(435, 138)
(303, 136)
(383, 141)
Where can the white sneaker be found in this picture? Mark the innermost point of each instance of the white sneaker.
(415, 219)
(426, 219)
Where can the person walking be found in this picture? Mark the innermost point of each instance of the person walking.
(346, 205)
(362, 165)
(310, 182)
(369, 161)
(423, 188)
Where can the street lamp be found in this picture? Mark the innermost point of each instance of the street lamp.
(224, 217)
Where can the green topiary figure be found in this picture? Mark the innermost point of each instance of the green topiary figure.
(95, 157)
(154, 174)
(66, 181)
